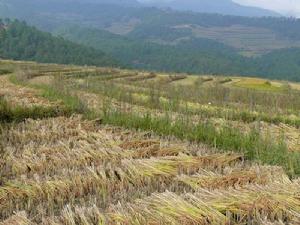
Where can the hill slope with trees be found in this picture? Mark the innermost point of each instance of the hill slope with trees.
(197, 55)
(21, 42)
(164, 40)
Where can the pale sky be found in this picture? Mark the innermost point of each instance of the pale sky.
(286, 7)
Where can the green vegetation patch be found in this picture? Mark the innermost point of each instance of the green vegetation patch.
(5, 71)
(260, 85)
(10, 114)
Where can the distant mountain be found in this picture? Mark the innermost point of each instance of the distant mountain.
(114, 2)
(48, 14)
(225, 7)
(21, 42)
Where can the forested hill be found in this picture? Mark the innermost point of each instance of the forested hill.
(198, 55)
(152, 38)
(19, 41)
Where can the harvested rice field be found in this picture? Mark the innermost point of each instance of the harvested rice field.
(122, 159)
(77, 170)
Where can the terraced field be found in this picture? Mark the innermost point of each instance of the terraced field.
(242, 103)
(132, 151)
(252, 41)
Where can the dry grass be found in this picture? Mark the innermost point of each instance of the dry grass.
(276, 202)
(22, 96)
(73, 171)
(234, 179)
(45, 168)
(17, 219)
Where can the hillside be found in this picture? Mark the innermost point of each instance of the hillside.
(225, 7)
(49, 14)
(167, 40)
(21, 42)
(124, 19)
(93, 145)
(188, 56)
(115, 2)
(198, 55)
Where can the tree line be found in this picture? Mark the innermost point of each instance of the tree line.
(22, 42)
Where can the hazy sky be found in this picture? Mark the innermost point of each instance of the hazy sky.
(289, 7)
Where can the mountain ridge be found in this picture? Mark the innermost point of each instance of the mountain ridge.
(224, 7)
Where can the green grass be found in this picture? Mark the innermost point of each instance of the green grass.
(5, 71)
(226, 139)
(68, 104)
(10, 113)
(151, 99)
(259, 86)
(72, 103)
(57, 91)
